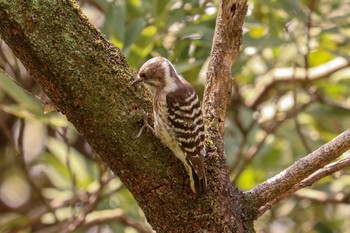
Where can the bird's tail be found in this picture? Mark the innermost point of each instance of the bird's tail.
(200, 183)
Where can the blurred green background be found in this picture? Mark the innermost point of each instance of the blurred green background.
(291, 95)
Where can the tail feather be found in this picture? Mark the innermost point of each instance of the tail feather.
(200, 184)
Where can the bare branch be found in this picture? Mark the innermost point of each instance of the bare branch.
(249, 155)
(269, 128)
(326, 171)
(295, 106)
(115, 215)
(333, 103)
(322, 197)
(280, 184)
(23, 164)
(285, 75)
(99, 218)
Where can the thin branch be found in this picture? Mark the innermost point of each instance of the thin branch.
(333, 103)
(295, 107)
(119, 216)
(93, 200)
(249, 156)
(322, 197)
(79, 219)
(307, 70)
(23, 164)
(103, 217)
(269, 128)
(280, 184)
(285, 75)
(35, 215)
(75, 216)
(323, 172)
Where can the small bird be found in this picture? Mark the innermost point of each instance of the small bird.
(178, 120)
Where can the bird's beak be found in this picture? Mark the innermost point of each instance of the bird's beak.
(136, 81)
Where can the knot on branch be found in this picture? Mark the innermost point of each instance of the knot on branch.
(233, 9)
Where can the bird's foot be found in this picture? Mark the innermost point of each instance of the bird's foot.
(145, 125)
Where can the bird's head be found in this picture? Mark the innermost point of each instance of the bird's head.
(158, 74)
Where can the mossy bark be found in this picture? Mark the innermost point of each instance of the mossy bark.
(87, 79)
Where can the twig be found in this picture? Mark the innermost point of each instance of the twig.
(322, 197)
(332, 103)
(277, 186)
(238, 154)
(35, 215)
(326, 171)
(79, 220)
(238, 166)
(307, 70)
(119, 216)
(249, 156)
(24, 166)
(71, 173)
(295, 98)
(93, 201)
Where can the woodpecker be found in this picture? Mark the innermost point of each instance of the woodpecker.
(178, 120)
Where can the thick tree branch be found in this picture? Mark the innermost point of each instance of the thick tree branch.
(323, 172)
(218, 88)
(298, 75)
(226, 44)
(280, 184)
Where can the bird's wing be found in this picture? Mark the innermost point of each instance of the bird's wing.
(185, 117)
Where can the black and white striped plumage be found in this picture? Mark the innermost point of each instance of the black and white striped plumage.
(178, 118)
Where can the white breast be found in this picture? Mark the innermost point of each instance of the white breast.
(163, 129)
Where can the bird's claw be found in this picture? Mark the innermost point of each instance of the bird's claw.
(145, 125)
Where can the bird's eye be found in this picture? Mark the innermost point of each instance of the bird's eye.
(143, 75)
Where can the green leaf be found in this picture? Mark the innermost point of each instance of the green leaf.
(84, 171)
(115, 22)
(246, 180)
(295, 9)
(10, 220)
(18, 94)
(318, 57)
(56, 171)
(257, 31)
(142, 47)
(133, 31)
(53, 118)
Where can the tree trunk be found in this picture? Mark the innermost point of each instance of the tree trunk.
(87, 79)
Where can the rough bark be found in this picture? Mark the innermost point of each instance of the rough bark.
(87, 79)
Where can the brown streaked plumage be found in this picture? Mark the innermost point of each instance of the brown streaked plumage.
(178, 118)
